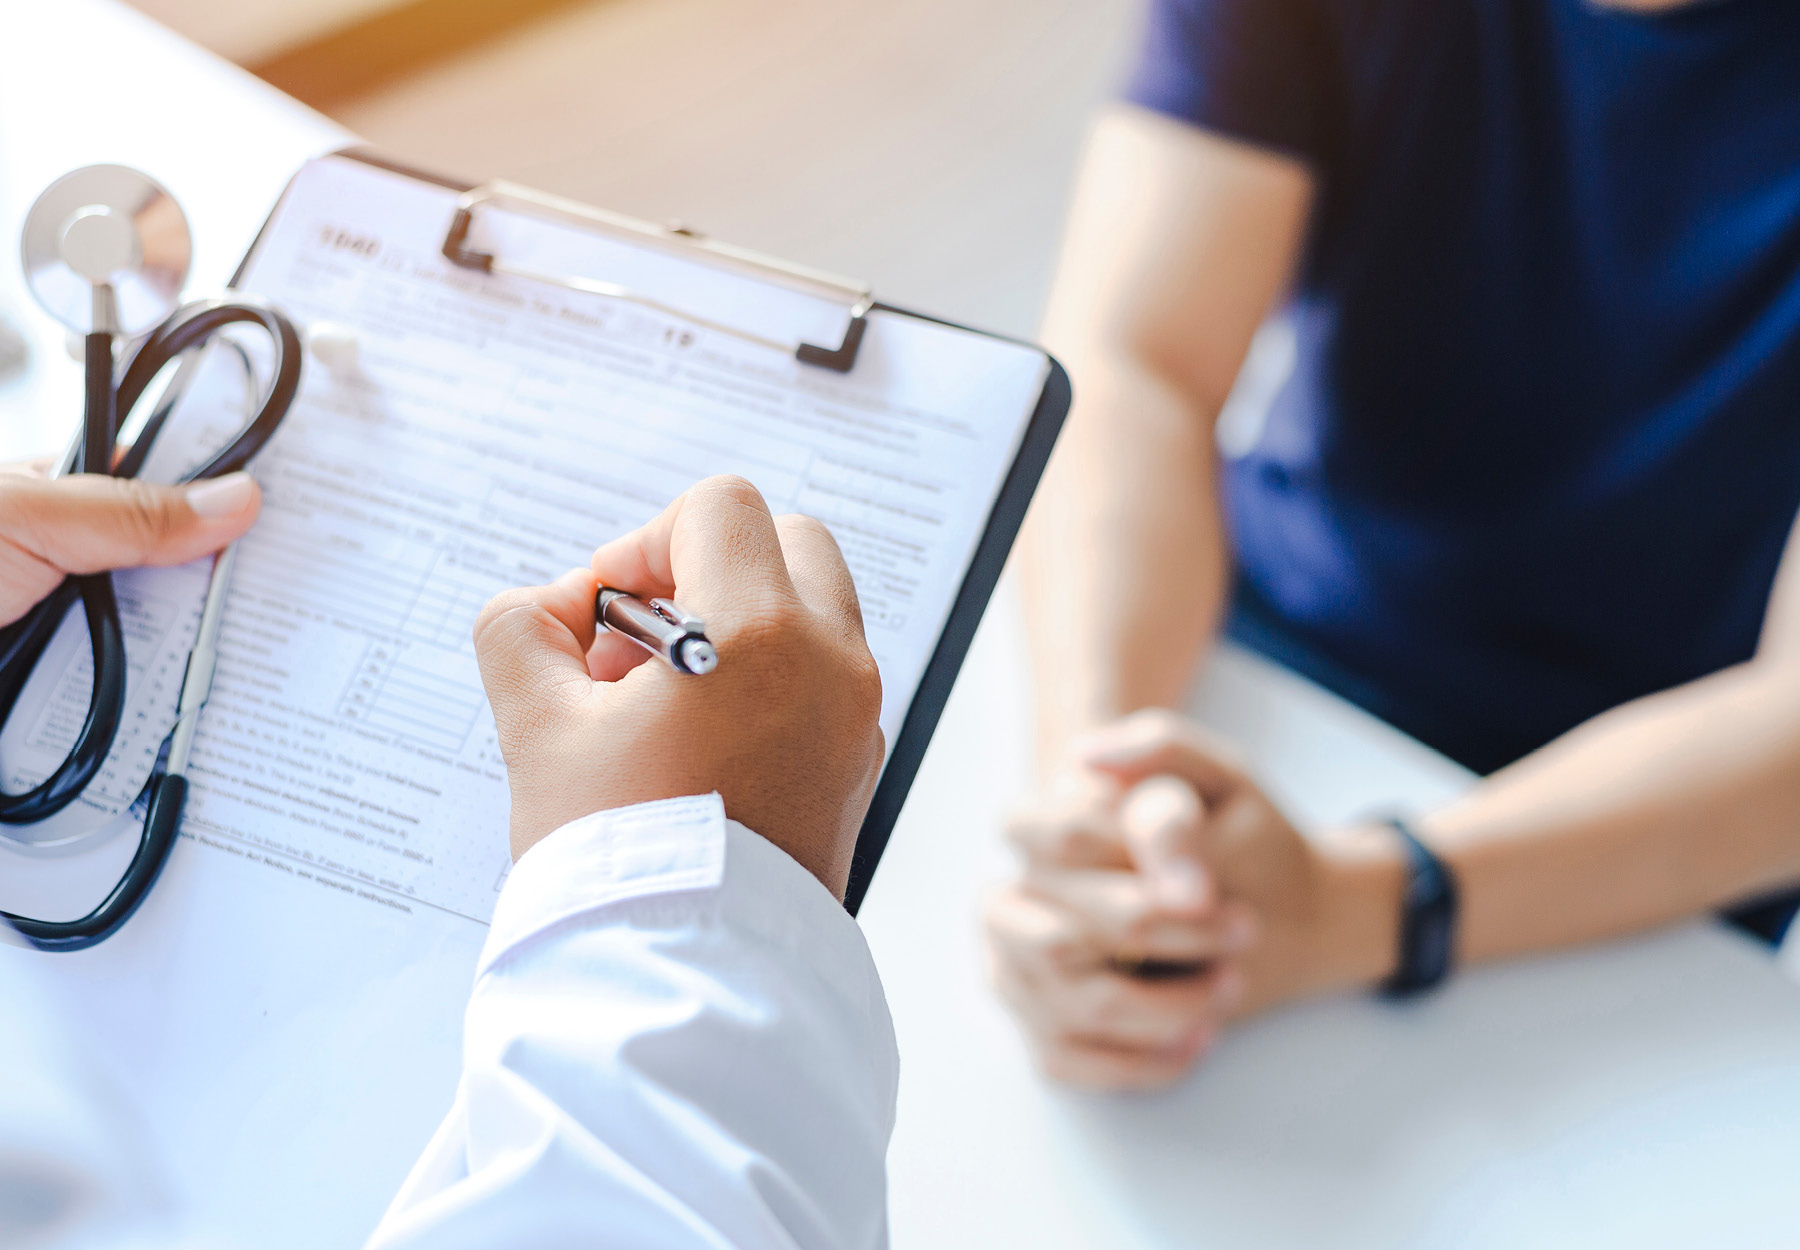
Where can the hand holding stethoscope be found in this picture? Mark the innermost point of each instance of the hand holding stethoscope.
(106, 252)
(54, 528)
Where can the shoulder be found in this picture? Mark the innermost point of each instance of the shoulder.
(1281, 74)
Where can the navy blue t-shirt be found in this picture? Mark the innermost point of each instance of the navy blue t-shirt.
(1541, 449)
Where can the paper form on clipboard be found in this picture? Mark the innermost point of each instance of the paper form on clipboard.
(492, 431)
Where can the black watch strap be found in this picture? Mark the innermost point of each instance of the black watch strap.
(1427, 919)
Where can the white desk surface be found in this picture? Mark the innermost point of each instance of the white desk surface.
(1646, 1094)
(88, 81)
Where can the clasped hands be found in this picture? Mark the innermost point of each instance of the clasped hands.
(1164, 895)
(1157, 852)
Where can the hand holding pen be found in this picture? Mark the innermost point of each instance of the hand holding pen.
(785, 728)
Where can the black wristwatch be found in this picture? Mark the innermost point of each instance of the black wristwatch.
(1427, 919)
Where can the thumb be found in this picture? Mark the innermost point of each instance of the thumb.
(88, 522)
(532, 646)
(1163, 822)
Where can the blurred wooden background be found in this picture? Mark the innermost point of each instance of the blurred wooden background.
(923, 145)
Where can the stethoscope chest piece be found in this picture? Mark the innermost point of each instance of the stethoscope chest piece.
(106, 228)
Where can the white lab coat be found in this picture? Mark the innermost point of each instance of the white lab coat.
(676, 1038)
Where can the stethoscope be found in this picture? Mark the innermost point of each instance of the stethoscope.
(106, 252)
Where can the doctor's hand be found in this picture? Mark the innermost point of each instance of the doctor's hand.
(786, 729)
(87, 523)
(1178, 864)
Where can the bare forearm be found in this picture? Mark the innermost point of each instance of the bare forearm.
(1178, 244)
(1124, 561)
(1666, 807)
(1661, 808)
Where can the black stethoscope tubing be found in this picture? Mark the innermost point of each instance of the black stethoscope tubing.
(22, 643)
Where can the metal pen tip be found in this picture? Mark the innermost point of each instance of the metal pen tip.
(698, 656)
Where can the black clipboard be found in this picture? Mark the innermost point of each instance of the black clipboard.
(1004, 518)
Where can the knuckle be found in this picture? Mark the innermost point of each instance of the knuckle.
(802, 523)
(1162, 724)
(1059, 838)
(1029, 929)
(864, 681)
(811, 548)
(731, 488)
(493, 612)
(144, 512)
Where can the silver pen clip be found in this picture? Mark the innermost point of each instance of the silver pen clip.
(672, 612)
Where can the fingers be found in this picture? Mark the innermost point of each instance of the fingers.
(1163, 822)
(1157, 741)
(613, 655)
(820, 576)
(1093, 1025)
(1062, 943)
(1064, 981)
(1124, 1013)
(1115, 915)
(532, 646)
(1114, 1033)
(1125, 945)
(715, 547)
(88, 522)
(1076, 826)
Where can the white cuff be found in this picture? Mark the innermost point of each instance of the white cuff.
(608, 857)
(666, 862)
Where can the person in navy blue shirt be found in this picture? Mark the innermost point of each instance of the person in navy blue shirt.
(1525, 493)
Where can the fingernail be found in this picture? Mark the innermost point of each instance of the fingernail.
(221, 497)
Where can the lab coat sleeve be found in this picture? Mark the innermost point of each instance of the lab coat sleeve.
(677, 1038)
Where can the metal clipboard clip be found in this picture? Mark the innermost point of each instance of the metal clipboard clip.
(856, 297)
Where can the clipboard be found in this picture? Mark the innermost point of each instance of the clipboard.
(839, 356)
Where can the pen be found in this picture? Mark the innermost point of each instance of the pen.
(660, 628)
